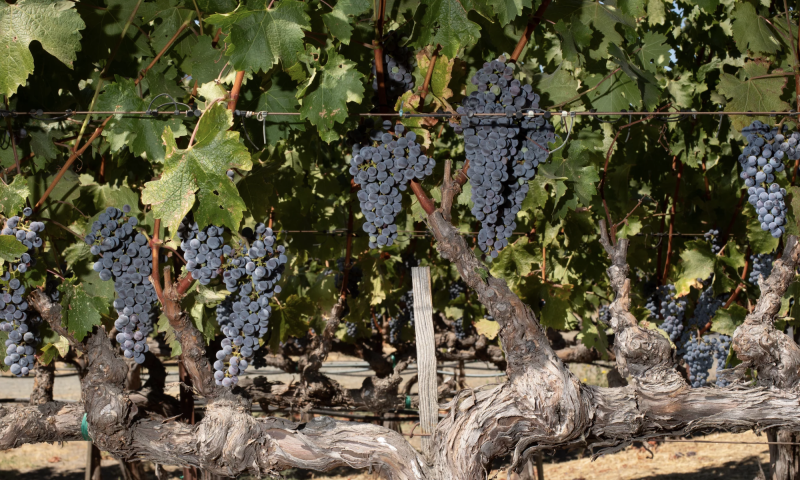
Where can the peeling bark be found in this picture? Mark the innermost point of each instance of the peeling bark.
(44, 376)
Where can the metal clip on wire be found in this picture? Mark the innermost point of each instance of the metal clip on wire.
(564, 114)
(262, 117)
(154, 112)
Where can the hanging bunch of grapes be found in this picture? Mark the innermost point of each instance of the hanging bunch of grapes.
(503, 152)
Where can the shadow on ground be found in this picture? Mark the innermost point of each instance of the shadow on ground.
(111, 472)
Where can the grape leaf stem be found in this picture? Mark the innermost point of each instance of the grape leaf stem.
(536, 19)
(424, 92)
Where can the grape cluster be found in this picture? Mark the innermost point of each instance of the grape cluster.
(604, 314)
(19, 324)
(712, 236)
(398, 63)
(722, 345)
(762, 266)
(665, 305)
(461, 332)
(353, 277)
(202, 249)
(351, 329)
(457, 288)
(699, 358)
(251, 273)
(503, 152)
(27, 232)
(126, 257)
(760, 160)
(404, 317)
(383, 171)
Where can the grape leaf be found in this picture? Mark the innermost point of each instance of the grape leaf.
(80, 311)
(515, 261)
(338, 20)
(11, 248)
(13, 196)
(55, 25)
(198, 173)
(654, 52)
(759, 95)
(168, 16)
(617, 93)
(288, 319)
(487, 328)
(216, 6)
(593, 337)
(163, 326)
(751, 31)
(697, 262)
(280, 97)
(205, 62)
(141, 134)
(726, 320)
(508, 10)
(326, 93)
(556, 87)
(261, 37)
(446, 24)
(603, 16)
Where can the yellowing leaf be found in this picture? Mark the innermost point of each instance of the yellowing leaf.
(487, 328)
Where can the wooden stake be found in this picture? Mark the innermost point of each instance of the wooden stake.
(426, 356)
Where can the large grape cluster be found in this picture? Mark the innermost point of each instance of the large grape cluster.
(27, 232)
(760, 160)
(762, 266)
(383, 171)
(712, 236)
(19, 324)
(503, 152)
(202, 249)
(126, 257)
(398, 63)
(251, 273)
(671, 309)
(353, 277)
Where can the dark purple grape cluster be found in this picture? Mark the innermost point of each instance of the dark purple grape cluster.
(503, 152)
(20, 325)
(722, 345)
(712, 236)
(699, 358)
(202, 249)
(457, 289)
(760, 161)
(251, 273)
(351, 329)
(398, 63)
(353, 277)
(27, 232)
(665, 305)
(126, 258)
(762, 266)
(383, 171)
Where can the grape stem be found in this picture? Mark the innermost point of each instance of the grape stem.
(155, 245)
(678, 174)
(237, 87)
(424, 92)
(163, 51)
(536, 19)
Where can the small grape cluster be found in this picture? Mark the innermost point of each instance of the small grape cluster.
(457, 288)
(762, 266)
(383, 171)
(351, 329)
(665, 305)
(354, 277)
(404, 317)
(604, 314)
(398, 63)
(760, 160)
(503, 152)
(712, 236)
(19, 324)
(722, 345)
(699, 358)
(27, 232)
(251, 273)
(202, 249)
(126, 257)
(461, 331)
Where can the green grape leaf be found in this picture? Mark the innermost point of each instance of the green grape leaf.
(216, 6)
(142, 135)
(755, 95)
(55, 25)
(631, 227)
(556, 87)
(555, 312)
(289, 319)
(167, 17)
(13, 196)
(515, 261)
(753, 32)
(759, 240)
(80, 312)
(603, 16)
(508, 10)
(260, 37)
(339, 19)
(279, 98)
(198, 173)
(446, 24)
(697, 261)
(726, 320)
(325, 95)
(163, 326)
(654, 52)
(617, 93)
(11, 248)
(593, 337)
(205, 62)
